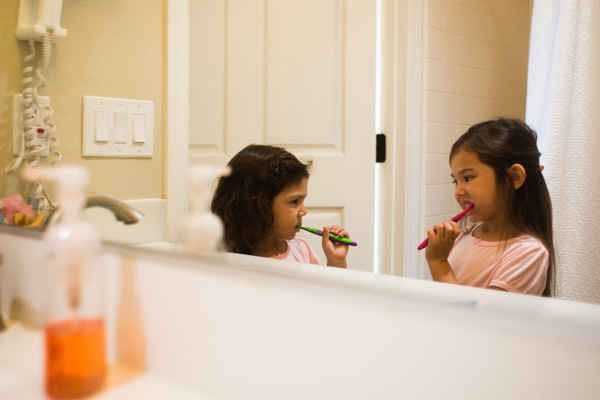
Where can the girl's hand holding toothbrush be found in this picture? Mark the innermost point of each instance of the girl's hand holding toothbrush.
(335, 251)
(441, 240)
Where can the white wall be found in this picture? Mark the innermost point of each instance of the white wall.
(475, 56)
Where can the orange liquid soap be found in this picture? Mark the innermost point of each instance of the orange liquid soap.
(75, 357)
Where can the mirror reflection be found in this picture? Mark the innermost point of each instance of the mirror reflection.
(317, 87)
(79, 63)
(283, 90)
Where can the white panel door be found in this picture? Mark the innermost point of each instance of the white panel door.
(298, 74)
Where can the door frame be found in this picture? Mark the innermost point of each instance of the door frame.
(175, 185)
(401, 121)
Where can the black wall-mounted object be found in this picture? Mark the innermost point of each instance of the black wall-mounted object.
(380, 148)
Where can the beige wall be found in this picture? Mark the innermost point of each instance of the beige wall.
(475, 68)
(114, 48)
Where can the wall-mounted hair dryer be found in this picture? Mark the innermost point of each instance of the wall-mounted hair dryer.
(33, 129)
(38, 17)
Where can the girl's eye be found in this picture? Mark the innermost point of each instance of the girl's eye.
(463, 179)
(294, 201)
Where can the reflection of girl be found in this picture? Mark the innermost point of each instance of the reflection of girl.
(262, 204)
(495, 166)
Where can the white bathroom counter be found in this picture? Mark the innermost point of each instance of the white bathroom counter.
(21, 373)
(242, 327)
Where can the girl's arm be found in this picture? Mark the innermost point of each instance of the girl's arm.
(335, 252)
(441, 241)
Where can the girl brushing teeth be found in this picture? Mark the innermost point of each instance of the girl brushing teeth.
(262, 205)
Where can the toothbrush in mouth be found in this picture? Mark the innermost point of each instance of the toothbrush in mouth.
(332, 237)
(455, 219)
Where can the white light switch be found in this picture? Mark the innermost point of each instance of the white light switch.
(120, 128)
(101, 126)
(139, 128)
(117, 127)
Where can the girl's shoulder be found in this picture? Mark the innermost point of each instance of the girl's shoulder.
(524, 247)
(303, 250)
(523, 241)
(527, 241)
(301, 244)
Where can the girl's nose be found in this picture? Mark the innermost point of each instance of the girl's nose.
(303, 211)
(459, 190)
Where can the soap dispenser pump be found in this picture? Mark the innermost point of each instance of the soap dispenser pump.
(75, 364)
(201, 232)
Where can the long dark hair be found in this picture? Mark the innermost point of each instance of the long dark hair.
(244, 199)
(501, 143)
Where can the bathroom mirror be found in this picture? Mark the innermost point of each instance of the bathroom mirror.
(220, 76)
(238, 55)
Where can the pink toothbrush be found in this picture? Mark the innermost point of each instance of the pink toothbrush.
(455, 219)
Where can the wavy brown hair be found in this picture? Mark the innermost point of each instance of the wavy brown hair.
(244, 199)
(500, 143)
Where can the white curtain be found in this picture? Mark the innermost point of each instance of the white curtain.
(563, 106)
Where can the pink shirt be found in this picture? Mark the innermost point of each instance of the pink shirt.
(300, 251)
(518, 265)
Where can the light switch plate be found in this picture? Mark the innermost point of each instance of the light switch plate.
(117, 145)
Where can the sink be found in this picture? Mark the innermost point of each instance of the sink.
(159, 246)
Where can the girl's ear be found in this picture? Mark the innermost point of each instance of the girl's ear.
(517, 174)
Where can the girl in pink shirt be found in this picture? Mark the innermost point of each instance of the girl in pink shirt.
(495, 166)
(261, 204)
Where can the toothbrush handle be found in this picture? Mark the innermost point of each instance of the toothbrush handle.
(332, 237)
(341, 240)
(423, 244)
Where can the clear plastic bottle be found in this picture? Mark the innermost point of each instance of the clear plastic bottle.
(75, 363)
(201, 232)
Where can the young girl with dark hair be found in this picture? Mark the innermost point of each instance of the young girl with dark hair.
(261, 204)
(495, 166)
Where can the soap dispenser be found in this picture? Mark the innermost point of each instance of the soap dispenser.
(201, 232)
(75, 359)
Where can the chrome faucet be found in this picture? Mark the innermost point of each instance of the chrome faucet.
(122, 211)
